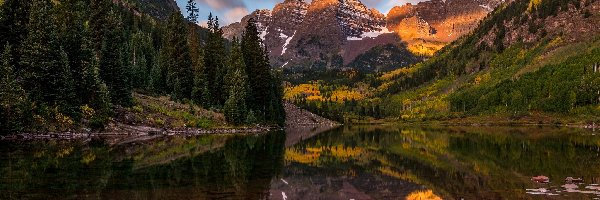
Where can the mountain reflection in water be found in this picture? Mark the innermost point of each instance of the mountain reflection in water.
(351, 162)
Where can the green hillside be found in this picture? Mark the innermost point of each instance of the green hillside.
(526, 59)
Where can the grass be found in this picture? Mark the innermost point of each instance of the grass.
(162, 112)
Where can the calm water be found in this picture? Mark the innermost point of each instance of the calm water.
(359, 162)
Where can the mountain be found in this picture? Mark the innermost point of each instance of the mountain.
(159, 9)
(527, 58)
(529, 61)
(332, 34)
(430, 25)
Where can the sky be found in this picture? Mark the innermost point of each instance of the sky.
(230, 11)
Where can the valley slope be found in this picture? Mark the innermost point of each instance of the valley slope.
(528, 61)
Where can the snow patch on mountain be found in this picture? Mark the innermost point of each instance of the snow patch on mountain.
(486, 7)
(287, 41)
(370, 34)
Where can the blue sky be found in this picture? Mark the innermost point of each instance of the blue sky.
(230, 11)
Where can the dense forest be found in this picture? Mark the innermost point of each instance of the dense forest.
(71, 62)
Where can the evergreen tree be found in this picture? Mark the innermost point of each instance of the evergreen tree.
(200, 90)
(12, 95)
(13, 27)
(42, 59)
(112, 69)
(97, 92)
(237, 86)
(192, 10)
(75, 39)
(159, 72)
(180, 79)
(276, 112)
(66, 88)
(197, 58)
(100, 10)
(214, 60)
(265, 98)
(235, 63)
(235, 106)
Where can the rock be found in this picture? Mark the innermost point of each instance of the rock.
(540, 179)
(296, 116)
(573, 180)
(570, 187)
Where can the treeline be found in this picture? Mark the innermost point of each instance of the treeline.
(70, 62)
(346, 111)
(570, 86)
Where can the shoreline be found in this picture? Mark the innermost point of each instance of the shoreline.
(535, 119)
(127, 131)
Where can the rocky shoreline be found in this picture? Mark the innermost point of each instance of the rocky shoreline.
(125, 131)
(298, 121)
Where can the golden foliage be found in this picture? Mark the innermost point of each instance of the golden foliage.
(310, 91)
(87, 111)
(344, 94)
(88, 158)
(64, 152)
(423, 195)
(425, 48)
(311, 155)
(533, 4)
(407, 176)
(301, 157)
(478, 80)
(396, 73)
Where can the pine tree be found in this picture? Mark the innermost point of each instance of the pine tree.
(276, 113)
(12, 95)
(66, 89)
(75, 39)
(141, 59)
(192, 10)
(100, 10)
(235, 106)
(180, 79)
(214, 69)
(235, 63)
(236, 86)
(197, 58)
(158, 75)
(266, 89)
(200, 90)
(257, 69)
(97, 92)
(13, 27)
(42, 59)
(112, 69)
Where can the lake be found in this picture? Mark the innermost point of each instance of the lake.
(350, 162)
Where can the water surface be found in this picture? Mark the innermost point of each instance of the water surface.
(352, 162)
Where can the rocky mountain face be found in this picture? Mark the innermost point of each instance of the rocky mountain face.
(159, 9)
(333, 33)
(429, 25)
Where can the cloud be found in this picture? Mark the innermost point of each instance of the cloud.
(223, 4)
(235, 14)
